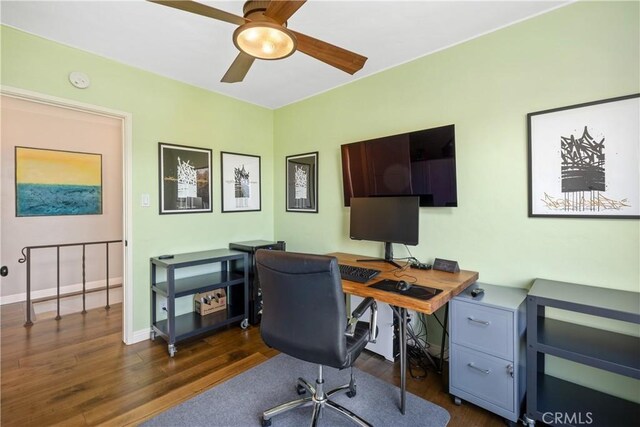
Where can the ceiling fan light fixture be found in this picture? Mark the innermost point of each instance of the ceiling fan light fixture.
(264, 40)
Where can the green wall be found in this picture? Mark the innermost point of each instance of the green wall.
(163, 110)
(485, 87)
(579, 53)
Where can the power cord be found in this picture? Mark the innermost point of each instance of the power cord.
(446, 332)
(400, 272)
(418, 356)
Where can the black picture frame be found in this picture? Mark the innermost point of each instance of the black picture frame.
(184, 175)
(584, 159)
(241, 183)
(301, 186)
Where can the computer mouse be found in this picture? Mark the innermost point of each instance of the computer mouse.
(403, 286)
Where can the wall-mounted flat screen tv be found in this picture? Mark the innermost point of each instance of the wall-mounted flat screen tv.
(420, 163)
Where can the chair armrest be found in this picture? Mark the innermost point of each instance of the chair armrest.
(363, 306)
(359, 312)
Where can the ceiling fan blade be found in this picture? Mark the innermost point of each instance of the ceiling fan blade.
(343, 59)
(238, 69)
(204, 10)
(281, 10)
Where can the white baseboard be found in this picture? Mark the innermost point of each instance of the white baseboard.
(10, 299)
(141, 335)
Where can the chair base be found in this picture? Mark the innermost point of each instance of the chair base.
(319, 400)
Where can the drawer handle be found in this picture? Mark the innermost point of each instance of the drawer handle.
(484, 371)
(482, 322)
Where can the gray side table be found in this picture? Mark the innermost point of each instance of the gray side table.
(180, 327)
(559, 402)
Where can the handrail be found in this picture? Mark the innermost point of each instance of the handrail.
(26, 257)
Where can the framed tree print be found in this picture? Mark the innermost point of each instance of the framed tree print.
(302, 183)
(584, 160)
(240, 182)
(185, 179)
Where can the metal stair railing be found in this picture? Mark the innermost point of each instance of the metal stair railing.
(26, 257)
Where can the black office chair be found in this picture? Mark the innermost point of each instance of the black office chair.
(304, 316)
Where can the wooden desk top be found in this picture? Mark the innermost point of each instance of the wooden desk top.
(450, 283)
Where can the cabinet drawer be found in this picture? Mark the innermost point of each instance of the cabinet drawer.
(483, 328)
(487, 377)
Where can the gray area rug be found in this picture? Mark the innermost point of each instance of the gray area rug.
(241, 400)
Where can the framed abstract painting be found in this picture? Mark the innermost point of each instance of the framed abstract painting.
(55, 182)
(584, 160)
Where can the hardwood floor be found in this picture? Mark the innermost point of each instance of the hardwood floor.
(77, 371)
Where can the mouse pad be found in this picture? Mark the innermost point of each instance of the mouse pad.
(415, 291)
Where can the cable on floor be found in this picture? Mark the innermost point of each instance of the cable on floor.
(418, 357)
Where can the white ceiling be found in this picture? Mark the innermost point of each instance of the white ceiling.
(198, 50)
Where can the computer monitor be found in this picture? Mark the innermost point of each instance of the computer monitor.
(385, 219)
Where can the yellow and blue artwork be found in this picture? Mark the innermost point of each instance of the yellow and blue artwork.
(53, 182)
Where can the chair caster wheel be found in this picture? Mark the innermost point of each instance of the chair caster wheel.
(352, 392)
(266, 423)
(300, 390)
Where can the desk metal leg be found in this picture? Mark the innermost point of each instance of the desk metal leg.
(401, 314)
(403, 358)
(444, 337)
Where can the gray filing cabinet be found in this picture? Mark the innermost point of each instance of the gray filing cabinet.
(487, 361)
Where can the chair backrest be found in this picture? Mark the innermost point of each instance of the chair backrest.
(304, 312)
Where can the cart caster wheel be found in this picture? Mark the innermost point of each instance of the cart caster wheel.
(244, 324)
(300, 390)
(457, 401)
(153, 335)
(172, 350)
(352, 392)
(266, 423)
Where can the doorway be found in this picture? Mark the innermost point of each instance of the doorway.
(50, 126)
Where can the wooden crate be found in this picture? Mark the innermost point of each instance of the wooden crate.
(210, 302)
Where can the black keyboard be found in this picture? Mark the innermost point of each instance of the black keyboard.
(357, 274)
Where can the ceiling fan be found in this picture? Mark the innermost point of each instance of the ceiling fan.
(262, 33)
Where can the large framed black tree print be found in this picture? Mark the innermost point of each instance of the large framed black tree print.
(584, 160)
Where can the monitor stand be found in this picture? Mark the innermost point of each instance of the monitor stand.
(388, 256)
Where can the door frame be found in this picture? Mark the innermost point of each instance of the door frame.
(127, 188)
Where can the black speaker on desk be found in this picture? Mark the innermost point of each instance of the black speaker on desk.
(255, 293)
